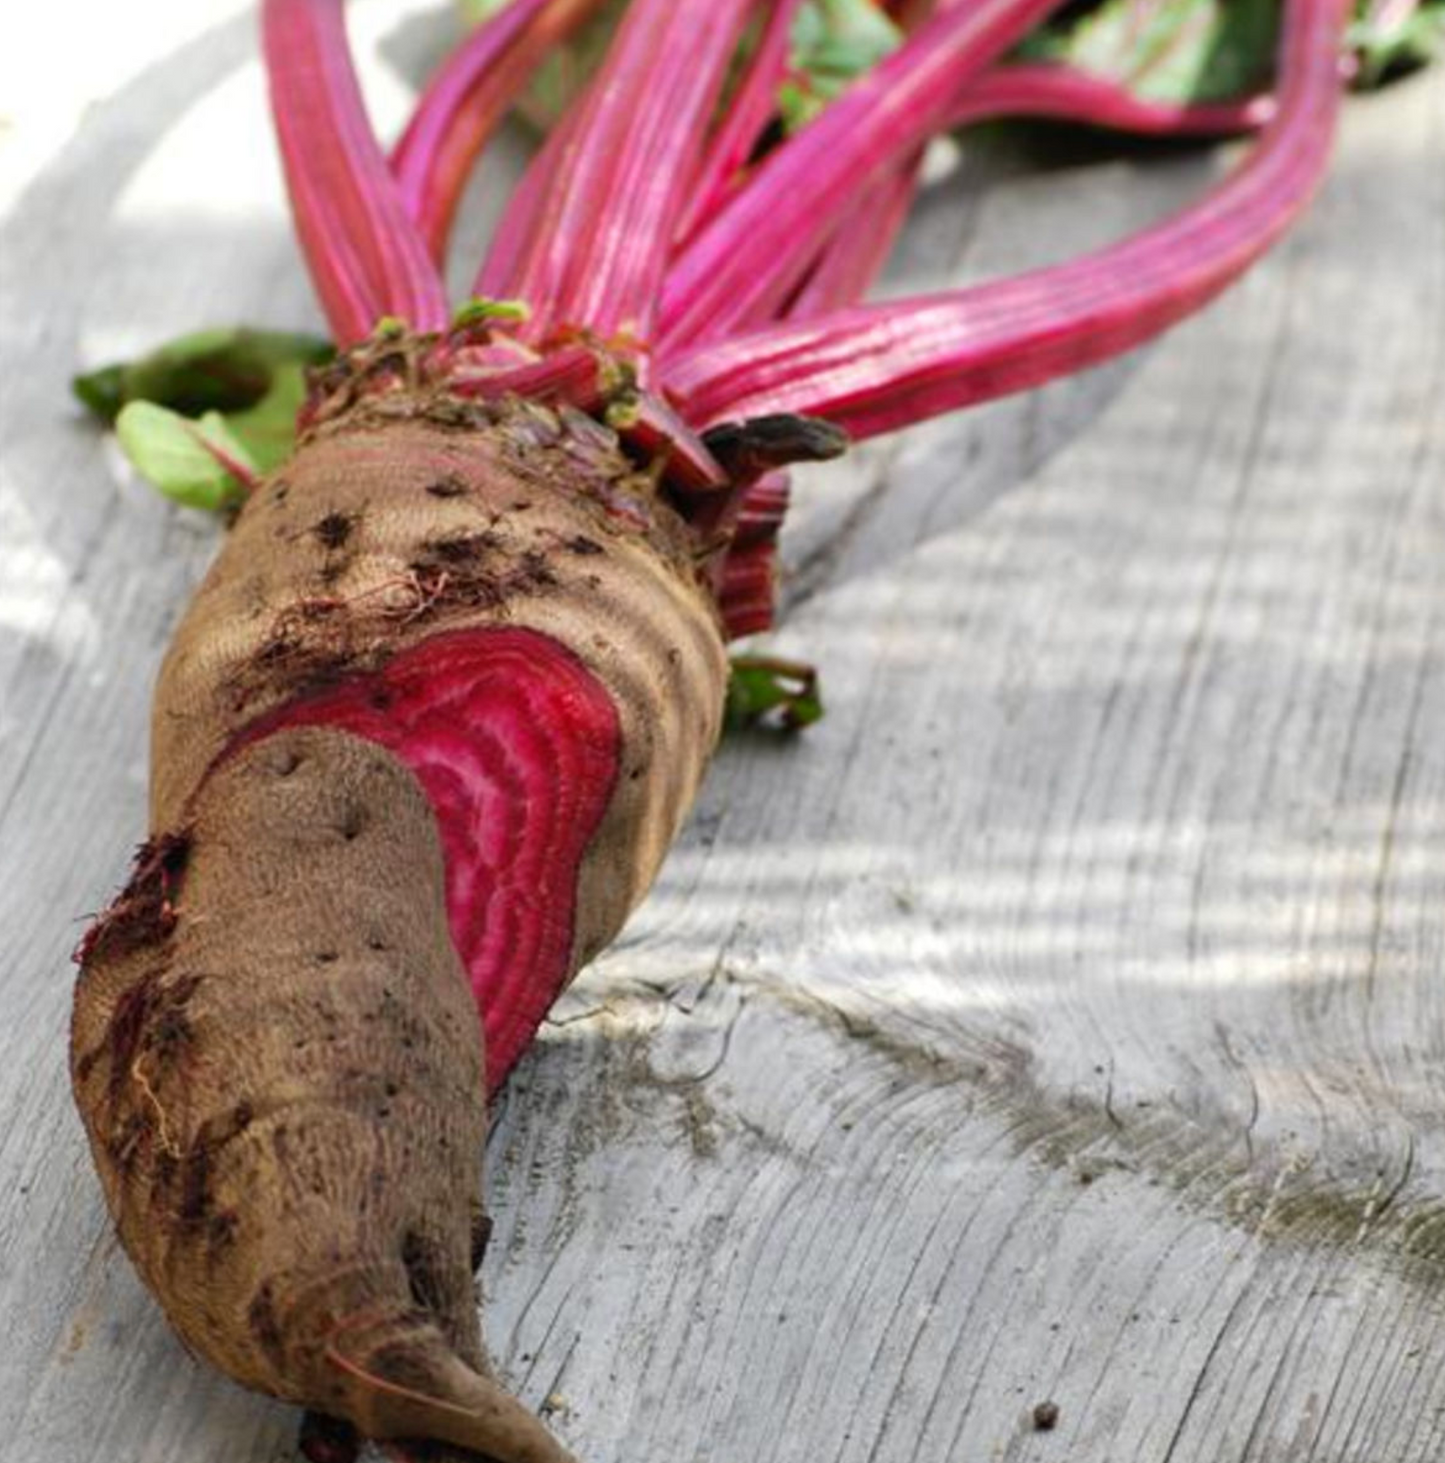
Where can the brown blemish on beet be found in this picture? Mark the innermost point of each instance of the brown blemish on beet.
(536, 569)
(334, 530)
(447, 487)
(170, 1036)
(124, 1143)
(296, 627)
(469, 572)
(461, 550)
(309, 647)
(585, 546)
(221, 1233)
(192, 1175)
(195, 1197)
(149, 1019)
(265, 1326)
(420, 1266)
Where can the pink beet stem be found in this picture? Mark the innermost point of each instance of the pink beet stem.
(605, 229)
(854, 257)
(857, 253)
(366, 256)
(574, 374)
(753, 254)
(511, 244)
(877, 368)
(752, 109)
(1069, 94)
(464, 102)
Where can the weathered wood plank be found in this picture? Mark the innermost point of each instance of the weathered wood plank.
(1060, 1020)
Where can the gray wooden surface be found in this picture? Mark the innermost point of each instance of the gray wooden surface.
(1062, 1020)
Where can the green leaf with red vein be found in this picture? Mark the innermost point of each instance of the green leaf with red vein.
(203, 415)
(196, 463)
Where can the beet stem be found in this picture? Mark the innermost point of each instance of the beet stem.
(601, 243)
(513, 241)
(747, 118)
(366, 256)
(750, 258)
(1069, 94)
(856, 254)
(876, 368)
(464, 102)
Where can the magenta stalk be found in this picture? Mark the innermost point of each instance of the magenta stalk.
(875, 368)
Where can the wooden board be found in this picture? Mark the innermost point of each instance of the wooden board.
(1062, 1020)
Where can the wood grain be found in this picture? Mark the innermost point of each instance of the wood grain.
(1059, 1021)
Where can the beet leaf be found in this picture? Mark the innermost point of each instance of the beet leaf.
(199, 464)
(764, 691)
(227, 369)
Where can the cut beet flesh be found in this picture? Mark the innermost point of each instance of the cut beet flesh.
(516, 744)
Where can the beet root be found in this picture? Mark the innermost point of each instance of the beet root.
(418, 747)
(279, 1065)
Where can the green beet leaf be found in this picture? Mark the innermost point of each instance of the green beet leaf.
(226, 369)
(1391, 40)
(834, 43)
(202, 416)
(1183, 51)
(198, 463)
(764, 691)
(267, 431)
(1176, 51)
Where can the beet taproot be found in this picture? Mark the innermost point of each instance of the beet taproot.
(430, 787)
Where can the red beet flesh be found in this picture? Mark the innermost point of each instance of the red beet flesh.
(516, 744)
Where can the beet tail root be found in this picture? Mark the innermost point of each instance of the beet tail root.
(399, 1378)
(279, 1063)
